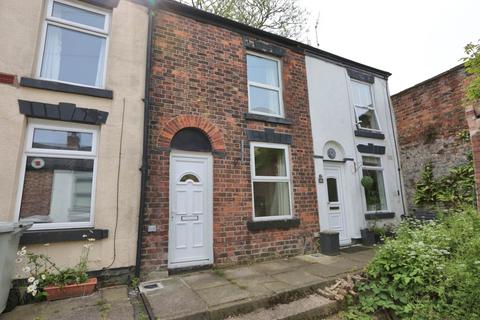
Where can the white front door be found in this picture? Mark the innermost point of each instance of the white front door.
(335, 202)
(190, 230)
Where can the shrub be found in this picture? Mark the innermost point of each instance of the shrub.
(429, 271)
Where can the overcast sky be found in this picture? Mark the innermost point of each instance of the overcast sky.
(412, 39)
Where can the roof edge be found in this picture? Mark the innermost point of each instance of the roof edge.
(207, 17)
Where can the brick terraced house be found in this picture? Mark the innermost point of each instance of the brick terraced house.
(231, 170)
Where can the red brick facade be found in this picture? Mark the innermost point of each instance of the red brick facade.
(429, 117)
(199, 79)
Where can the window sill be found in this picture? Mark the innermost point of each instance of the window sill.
(61, 235)
(379, 215)
(273, 224)
(65, 87)
(264, 118)
(369, 134)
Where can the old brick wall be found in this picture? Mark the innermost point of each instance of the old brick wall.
(429, 118)
(199, 76)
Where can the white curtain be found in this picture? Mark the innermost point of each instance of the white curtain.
(52, 56)
(101, 65)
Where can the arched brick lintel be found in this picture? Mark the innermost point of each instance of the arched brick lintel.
(187, 121)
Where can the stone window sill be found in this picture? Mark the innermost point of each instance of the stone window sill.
(65, 87)
(62, 235)
(379, 215)
(369, 134)
(269, 119)
(273, 224)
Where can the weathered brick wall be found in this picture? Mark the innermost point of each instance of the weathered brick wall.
(429, 117)
(199, 76)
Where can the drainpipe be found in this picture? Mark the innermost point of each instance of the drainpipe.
(146, 120)
(397, 153)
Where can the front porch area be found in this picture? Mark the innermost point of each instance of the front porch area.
(223, 293)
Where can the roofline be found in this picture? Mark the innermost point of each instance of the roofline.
(210, 18)
(457, 67)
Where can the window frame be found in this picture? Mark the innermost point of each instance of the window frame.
(370, 89)
(279, 89)
(373, 168)
(286, 178)
(29, 151)
(48, 19)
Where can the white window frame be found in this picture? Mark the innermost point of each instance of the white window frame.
(29, 151)
(70, 25)
(279, 89)
(366, 107)
(255, 178)
(379, 168)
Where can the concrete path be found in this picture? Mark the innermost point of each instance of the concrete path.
(106, 304)
(220, 293)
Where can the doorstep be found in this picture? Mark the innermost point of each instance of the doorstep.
(216, 294)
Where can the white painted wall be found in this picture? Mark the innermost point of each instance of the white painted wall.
(333, 119)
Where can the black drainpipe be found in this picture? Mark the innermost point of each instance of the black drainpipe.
(146, 120)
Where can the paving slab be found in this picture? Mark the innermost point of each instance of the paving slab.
(222, 294)
(298, 277)
(109, 303)
(175, 300)
(204, 280)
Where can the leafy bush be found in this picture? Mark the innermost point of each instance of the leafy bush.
(429, 271)
(450, 191)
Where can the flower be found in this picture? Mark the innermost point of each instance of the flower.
(36, 282)
(84, 236)
(43, 277)
(34, 293)
(31, 280)
(26, 269)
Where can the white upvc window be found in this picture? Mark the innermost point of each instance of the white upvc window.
(271, 188)
(58, 174)
(364, 107)
(375, 197)
(264, 85)
(74, 44)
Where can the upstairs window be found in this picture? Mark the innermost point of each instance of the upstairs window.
(364, 107)
(264, 85)
(74, 44)
(270, 181)
(375, 197)
(57, 184)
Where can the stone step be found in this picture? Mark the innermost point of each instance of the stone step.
(311, 307)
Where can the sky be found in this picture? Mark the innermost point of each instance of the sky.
(413, 39)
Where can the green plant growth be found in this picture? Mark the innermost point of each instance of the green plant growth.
(455, 189)
(41, 271)
(472, 66)
(429, 271)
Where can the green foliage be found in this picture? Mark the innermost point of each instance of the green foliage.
(42, 271)
(455, 189)
(283, 17)
(367, 182)
(429, 271)
(472, 66)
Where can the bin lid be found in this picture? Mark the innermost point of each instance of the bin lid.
(6, 227)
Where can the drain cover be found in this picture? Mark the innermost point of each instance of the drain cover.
(150, 286)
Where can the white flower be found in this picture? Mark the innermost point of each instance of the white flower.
(31, 280)
(26, 269)
(36, 282)
(84, 236)
(29, 289)
(44, 277)
(34, 293)
(91, 239)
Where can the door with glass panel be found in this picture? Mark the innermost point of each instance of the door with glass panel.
(335, 202)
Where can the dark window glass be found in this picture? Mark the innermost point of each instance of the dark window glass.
(187, 177)
(375, 195)
(57, 190)
(332, 190)
(270, 162)
(271, 199)
(62, 140)
(191, 139)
